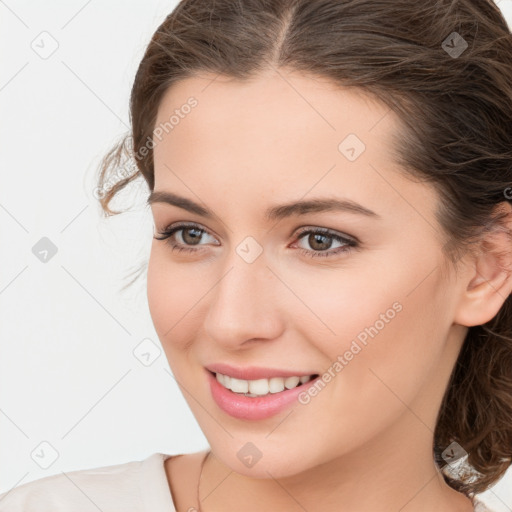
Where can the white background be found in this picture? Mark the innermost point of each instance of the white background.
(68, 374)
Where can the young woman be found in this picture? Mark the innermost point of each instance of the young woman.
(330, 275)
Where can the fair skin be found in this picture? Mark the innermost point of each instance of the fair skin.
(364, 443)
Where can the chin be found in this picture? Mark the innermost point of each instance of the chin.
(262, 459)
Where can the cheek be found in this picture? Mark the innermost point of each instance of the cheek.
(384, 320)
(390, 345)
(358, 300)
(158, 279)
(177, 302)
(387, 361)
(171, 295)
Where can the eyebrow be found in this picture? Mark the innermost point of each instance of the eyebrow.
(276, 212)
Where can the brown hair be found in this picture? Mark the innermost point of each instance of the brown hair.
(455, 105)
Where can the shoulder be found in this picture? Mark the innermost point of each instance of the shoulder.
(108, 488)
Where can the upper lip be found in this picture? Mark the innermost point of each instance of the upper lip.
(254, 372)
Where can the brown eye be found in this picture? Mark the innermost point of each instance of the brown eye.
(321, 239)
(192, 235)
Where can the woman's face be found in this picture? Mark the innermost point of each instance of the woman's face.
(251, 290)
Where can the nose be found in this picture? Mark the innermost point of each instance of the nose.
(245, 305)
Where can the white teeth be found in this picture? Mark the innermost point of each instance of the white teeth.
(291, 382)
(276, 384)
(260, 387)
(238, 385)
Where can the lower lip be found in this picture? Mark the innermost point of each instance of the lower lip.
(257, 408)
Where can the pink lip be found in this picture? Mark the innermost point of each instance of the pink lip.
(248, 408)
(253, 372)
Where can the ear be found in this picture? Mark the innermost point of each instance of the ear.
(488, 282)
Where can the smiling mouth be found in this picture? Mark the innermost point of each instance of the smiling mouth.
(261, 387)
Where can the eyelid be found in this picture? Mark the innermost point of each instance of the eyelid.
(327, 231)
(175, 226)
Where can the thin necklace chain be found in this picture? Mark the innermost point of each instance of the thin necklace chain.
(199, 481)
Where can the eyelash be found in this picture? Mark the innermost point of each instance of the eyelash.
(350, 243)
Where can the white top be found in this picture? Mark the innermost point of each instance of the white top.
(139, 486)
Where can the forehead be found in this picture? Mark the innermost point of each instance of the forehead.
(273, 100)
(273, 118)
(278, 134)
